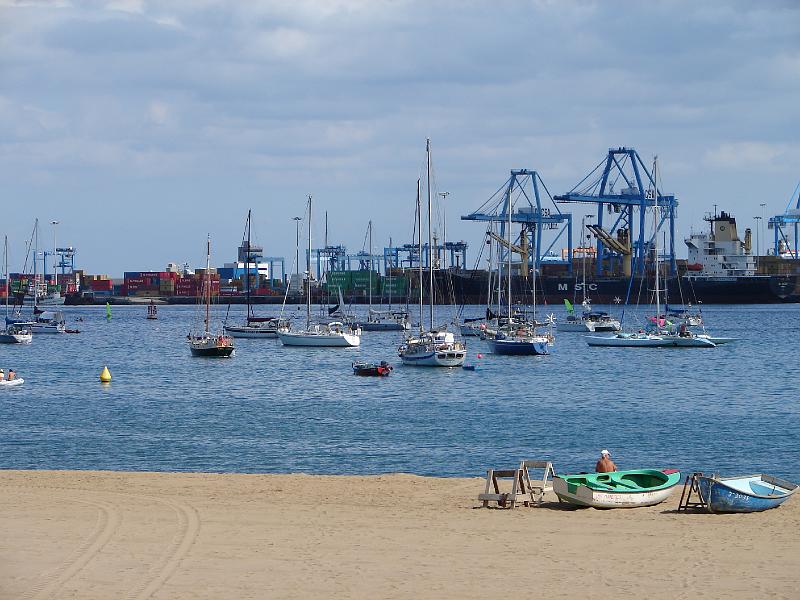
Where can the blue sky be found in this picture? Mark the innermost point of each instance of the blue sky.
(142, 126)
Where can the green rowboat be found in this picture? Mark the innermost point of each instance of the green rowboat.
(621, 489)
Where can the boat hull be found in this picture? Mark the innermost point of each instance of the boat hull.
(519, 347)
(218, 352)
(621, 497)
(575, 327)
(13, 383)
(635, 341)
(16, 338)
(252, 333)
(321, 340)
(753, 493)
(443, 358)
(383, 326)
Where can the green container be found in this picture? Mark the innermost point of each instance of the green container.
(395, 285)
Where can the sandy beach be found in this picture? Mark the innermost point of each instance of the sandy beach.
(106, 535)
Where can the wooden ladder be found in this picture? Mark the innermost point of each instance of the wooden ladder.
(691, 486)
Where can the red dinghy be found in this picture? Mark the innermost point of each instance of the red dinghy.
(366, 369)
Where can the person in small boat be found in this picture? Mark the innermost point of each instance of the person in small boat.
(12, 374)
(605, 464)
(2, 374)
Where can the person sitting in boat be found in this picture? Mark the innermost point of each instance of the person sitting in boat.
(605, 464)
(12, 374)
(2, 374)
(682, 331)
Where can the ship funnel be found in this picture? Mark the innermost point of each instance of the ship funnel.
(748, 240)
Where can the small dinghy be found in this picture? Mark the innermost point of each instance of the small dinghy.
(366, 369)
(621, 489)
(750, 493)
(13, 383)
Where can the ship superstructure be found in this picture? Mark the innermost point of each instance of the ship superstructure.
(720, 253)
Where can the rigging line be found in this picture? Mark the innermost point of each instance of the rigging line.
(577, 185)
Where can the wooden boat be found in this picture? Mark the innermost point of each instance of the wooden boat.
(366, 369)
(750, 493)
(621, 489)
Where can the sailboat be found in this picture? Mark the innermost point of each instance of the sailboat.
(334, 334)
(434, 347)
(588, 320)
(43, 321)
(13, 333)
(207, 343)
(655, 337)
(253, 327)
(152, 311)
(378, 320)
(518, 337)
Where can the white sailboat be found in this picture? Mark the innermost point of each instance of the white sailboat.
(383, 320)
(254, 327)
(588, 321)
(655, 338)
(433, 347)
(333, 335)
(13, 333)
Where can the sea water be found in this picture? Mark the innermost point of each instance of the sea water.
(732, 409)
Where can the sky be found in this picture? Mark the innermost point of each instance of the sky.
(141, 126)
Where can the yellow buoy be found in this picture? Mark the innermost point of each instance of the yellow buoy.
(105, 375)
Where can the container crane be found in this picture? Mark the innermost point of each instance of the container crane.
(627, 208)
(781, 223)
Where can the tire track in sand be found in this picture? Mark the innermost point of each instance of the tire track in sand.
(182, 541)
(109, 519)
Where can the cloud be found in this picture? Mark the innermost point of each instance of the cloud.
(192, 100)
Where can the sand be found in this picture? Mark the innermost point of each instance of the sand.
(172, 536)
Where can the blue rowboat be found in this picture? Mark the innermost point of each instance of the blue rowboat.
(751, 493)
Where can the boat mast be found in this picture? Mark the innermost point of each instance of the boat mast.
(308, 271)
(431, 297)
(207, 286)
(509, 260)
(247, 269)
(35, 260)
(390, 277)
(655, 236)
(5, 261)
(419, 241)
(583, 262)
(370, 269)
(491, 267)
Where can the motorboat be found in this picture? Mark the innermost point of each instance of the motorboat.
(368, 369)
(17, 381)
(620, 489)
(16, 334)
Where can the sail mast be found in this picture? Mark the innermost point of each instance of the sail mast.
(208, 283)
(655, 236)
(419, 241)
(35, 260)
(247, 268)
(370, 268)
(431, 297)
(5, 260)
(509, 258)
(308, 267)
(583, 262)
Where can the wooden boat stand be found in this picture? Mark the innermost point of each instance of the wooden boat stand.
(523, 489)
(690, 486)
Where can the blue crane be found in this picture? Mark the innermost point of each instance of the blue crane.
(780, 223)
(638, 194)
(524, 190)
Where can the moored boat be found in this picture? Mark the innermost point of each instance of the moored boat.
(209, 344)
(620, 489)
(368, 369)
(750, 493)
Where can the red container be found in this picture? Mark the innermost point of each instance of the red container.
(101, 285)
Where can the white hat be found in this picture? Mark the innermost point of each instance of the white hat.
(605, 453)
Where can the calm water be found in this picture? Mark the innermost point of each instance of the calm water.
(272, 409)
